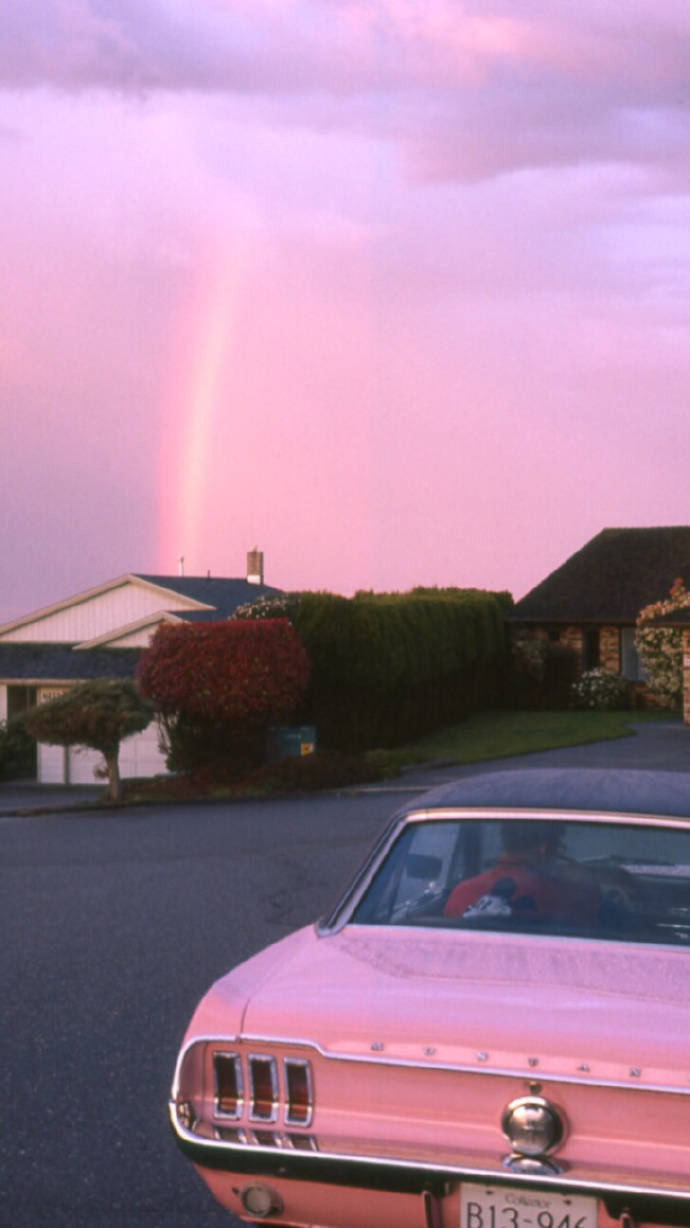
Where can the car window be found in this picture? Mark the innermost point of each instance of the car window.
(621, 881)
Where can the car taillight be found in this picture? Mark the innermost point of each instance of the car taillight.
(298, 1092)
(263, 1088)
(228, 1086)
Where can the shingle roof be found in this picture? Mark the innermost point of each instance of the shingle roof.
(225, 595)
(611, 578)
(54, 662)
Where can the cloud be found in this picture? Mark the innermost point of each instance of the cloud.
(468, 90)
(345, 45)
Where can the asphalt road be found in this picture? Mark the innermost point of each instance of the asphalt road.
(112, 928)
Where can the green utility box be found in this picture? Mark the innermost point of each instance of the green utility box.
(290, 741)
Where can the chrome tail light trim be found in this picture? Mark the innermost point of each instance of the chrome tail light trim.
(299, 1091)
(228, 1085)
(263, 1087)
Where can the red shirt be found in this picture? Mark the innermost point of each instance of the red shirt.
(514, 887)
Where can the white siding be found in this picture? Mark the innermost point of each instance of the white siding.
(95, 616)
(3, 703)
(82, 766)
(139, 756)
(51, 764)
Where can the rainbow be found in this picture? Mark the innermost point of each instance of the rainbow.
(194, 398)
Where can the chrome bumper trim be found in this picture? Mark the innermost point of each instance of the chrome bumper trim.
(646, 1201)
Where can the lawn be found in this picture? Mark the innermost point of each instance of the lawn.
(498, 735)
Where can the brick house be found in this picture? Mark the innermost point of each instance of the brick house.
(100, 634)
(590, 603)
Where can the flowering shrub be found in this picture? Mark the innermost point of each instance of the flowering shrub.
(600, 688)
(659, 647)
(278, 605)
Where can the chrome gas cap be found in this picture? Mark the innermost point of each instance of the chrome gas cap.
(532, 1126)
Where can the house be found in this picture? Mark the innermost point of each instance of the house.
(590, 603)
(100, 633)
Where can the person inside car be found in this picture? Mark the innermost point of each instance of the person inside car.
(531, 879)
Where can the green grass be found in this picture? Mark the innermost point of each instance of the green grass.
(497, 735)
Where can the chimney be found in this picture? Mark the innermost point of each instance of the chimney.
(255, 566)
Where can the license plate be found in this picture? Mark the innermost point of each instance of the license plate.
(512, 1207)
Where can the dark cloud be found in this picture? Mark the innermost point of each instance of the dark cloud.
(469, 90)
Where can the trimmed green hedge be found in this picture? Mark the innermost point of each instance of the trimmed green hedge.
(390, 667)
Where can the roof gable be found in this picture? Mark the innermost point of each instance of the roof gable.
(91, 614)
(611, 578)
(128, 601)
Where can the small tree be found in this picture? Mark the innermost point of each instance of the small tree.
(659, 647)
(218, 686)
(98, 714)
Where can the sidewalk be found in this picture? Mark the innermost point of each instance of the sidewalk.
(29, 797)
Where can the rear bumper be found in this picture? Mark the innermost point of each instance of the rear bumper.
(647, 1201)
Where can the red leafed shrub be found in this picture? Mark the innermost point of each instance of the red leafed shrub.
(226, 670)
(215, 684)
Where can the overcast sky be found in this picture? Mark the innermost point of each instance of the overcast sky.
(395, 290)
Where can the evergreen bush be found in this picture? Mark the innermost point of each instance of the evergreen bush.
(17, 750)
(387, 668)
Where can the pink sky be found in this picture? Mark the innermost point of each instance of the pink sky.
(396, 290)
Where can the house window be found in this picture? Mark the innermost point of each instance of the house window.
(590, 648)
(19, 700)
(631, 666)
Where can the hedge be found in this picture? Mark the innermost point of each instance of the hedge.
(390, 667)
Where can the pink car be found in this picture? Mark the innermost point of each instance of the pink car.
(490, 1030)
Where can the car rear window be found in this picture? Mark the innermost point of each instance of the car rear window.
(607, 880)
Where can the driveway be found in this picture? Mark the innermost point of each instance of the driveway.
(655, 746)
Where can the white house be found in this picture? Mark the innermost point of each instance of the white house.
(100, 634)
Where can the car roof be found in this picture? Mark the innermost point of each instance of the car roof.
(599, 790)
